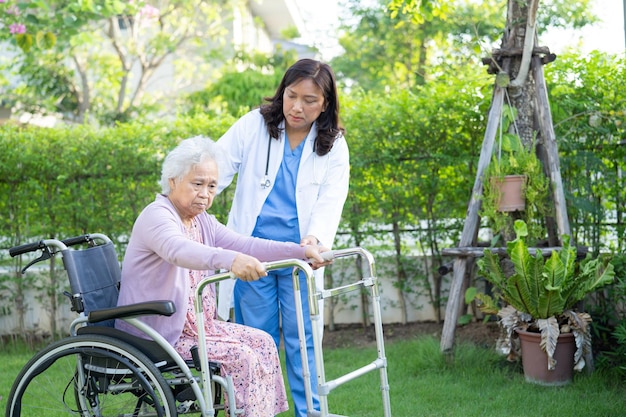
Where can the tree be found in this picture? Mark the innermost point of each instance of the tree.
(389, 47)
(242, 85)
(395, 43)
(107, 53)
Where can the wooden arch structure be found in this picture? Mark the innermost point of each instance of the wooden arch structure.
(521, 62)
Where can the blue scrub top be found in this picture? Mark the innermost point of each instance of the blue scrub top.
(278, 219)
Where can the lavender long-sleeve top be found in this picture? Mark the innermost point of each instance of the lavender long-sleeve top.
(159, 256)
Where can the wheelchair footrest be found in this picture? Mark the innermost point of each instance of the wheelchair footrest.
(186, 395)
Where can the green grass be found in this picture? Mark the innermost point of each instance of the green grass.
(12, 359)
(475, 382)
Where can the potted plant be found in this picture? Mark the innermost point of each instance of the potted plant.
(515, 166)
(540, 295)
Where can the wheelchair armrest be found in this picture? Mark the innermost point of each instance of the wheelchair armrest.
(161, 307)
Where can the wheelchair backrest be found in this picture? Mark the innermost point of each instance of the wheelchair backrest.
(94, 274)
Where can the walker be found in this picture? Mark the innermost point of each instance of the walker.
(325, 387)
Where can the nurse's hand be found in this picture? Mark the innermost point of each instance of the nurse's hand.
(248, 268)
(313, 253)
(309, 240)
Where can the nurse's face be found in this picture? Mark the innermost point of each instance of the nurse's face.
(194, 193)
(303, 102)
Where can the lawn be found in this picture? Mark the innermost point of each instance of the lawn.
(475, 382)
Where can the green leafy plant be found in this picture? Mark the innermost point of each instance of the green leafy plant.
(512, 157)
(540, 294)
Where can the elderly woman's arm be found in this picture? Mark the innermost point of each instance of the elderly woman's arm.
(159, 229)
(264, 250)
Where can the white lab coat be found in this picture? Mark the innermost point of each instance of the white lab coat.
(321, 187)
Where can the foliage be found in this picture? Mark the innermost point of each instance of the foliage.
(391, 44)
(565, 14)
(511, 157)
(410, 168)
(77, 179)
(387, 50)
(22, 26)
(106, 53)
(620, 349)
(242, 85)
(553, 13)
(609, 316)
(540, 294)
(589, 113)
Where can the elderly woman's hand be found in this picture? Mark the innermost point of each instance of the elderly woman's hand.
(247, 268)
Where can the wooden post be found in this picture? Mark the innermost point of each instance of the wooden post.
(471, 222)
(549, 140)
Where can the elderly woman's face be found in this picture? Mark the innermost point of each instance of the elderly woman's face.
(194, 193)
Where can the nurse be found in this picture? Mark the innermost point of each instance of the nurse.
(293, 169)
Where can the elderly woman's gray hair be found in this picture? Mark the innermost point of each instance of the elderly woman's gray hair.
(189, 153)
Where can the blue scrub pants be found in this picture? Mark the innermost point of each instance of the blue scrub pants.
(266, 304)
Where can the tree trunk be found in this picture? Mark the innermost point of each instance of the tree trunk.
(52, 295)
(521, 93)
(401, 271)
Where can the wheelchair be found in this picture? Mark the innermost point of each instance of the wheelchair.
(100, 371)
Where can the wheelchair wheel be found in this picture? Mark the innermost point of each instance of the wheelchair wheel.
(90, 375)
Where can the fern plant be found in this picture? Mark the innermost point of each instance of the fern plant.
(540, 294)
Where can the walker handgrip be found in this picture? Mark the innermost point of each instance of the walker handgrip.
(25, 248)
(326, 256)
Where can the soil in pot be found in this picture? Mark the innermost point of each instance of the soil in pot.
(535, 360)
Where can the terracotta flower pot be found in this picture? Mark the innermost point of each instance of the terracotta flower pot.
(510, 189)
(535, 360)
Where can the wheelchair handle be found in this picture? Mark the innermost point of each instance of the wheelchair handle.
(27, 247)
(71, 241)
(46, 246)
(59, 244)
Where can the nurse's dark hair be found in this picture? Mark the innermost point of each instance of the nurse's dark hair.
(328, 124)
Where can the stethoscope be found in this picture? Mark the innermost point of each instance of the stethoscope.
(266, 182)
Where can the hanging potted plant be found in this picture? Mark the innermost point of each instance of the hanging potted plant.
(539, 297)
(515, 185)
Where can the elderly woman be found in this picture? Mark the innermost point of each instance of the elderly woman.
(174, 244)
